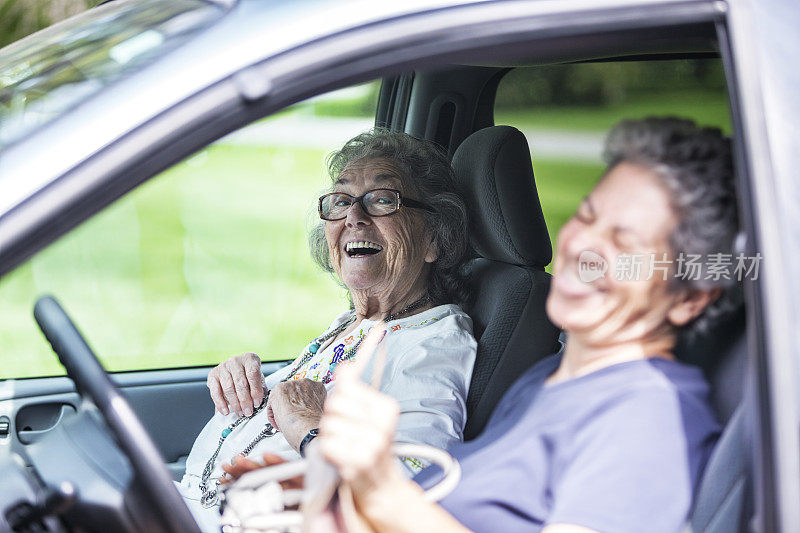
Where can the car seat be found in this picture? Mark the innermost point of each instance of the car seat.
(509, 285)
(723, 501)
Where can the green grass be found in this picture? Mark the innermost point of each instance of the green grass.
(206, 261)
(708, 108)
(561, 186)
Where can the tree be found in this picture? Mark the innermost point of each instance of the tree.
(19, 18)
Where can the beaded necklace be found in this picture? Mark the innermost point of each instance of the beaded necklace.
(210, 496)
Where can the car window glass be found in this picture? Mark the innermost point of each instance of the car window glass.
(565, 111)
(207, 260)
(53, 71)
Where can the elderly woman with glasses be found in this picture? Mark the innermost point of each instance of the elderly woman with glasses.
(393, 231)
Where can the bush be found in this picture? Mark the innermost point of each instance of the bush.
(603, 82)
(19, 18)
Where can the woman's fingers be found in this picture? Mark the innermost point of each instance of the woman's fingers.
(229, 390)
(255, 379)
(215, 389)
(295, 407)
(238, 383)
(377, 416)
(241, 385)
(270, 459)
(348, 372)
(241, 465)
(354, 450)
(357, 430)
(359, 400)
(270, 412)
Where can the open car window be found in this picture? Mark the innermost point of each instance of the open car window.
(207, 260)
(210, 259)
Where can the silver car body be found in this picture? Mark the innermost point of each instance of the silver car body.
(268, 54)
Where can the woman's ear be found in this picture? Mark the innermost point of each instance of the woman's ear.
(691, 305)
(432, 253)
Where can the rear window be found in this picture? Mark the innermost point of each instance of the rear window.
(52, 71)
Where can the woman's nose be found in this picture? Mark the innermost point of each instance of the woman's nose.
(580, 240)
(357, 217)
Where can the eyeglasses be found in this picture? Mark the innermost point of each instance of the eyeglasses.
(375, 203)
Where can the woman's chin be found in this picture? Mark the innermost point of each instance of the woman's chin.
(359, 281)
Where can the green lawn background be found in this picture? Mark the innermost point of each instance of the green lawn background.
(210, 259)
(206, 261)
(706, 107)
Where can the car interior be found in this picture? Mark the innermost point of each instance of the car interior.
(453, 104)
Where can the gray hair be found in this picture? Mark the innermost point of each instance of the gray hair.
(695, 165)
(427, 172)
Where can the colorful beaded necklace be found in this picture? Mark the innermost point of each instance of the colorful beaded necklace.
(210, 496)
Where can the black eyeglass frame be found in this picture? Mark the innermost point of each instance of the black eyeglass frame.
(401, 202)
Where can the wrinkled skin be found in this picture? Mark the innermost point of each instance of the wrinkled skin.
(237, 382)
(379, 284)
(295, 407)
(385, 282)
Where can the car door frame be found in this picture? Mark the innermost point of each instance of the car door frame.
(400, 44)
(765, 182)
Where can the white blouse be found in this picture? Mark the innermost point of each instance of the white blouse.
(429, 360)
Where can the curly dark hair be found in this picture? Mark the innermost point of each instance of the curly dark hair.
(696, 167)
(427, 172)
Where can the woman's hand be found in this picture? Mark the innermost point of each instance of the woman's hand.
(357, 431)
(238, 383)
(295, 408)
(242, 465)
(356, 436)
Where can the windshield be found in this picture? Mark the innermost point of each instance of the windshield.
(51, 72)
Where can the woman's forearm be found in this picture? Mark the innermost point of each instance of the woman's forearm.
(399, 506)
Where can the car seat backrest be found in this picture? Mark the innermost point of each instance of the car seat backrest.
(509, 285)
(722, 354)
(723, 498)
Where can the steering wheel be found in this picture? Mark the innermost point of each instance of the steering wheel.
(92, 382)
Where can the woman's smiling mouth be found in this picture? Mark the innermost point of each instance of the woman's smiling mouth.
(362, 248)
(570, 285)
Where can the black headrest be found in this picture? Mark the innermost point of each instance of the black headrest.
(495, 175)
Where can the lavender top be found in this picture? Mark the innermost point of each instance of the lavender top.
(620, 449)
